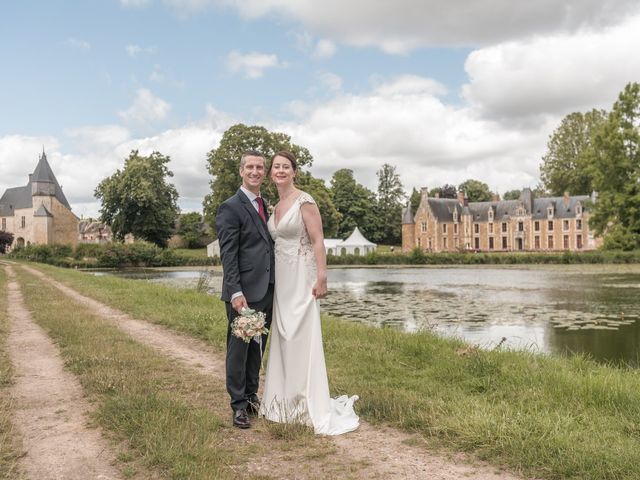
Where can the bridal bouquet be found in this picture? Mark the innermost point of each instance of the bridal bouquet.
(250, 324)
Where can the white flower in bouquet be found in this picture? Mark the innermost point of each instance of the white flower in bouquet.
(250, 324)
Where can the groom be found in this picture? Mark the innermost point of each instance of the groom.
(246, 250)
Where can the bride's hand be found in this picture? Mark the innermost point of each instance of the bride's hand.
(319, 289)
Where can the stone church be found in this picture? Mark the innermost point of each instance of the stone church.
(38, 213)
(544, 224)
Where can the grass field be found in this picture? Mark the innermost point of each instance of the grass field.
(548, 417)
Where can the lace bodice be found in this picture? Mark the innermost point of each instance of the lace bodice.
(292, 242)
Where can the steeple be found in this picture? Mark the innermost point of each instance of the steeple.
(44, 182)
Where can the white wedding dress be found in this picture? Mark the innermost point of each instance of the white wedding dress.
(296, 386)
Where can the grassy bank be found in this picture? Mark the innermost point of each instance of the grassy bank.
(9, 446)
(142, 398)
(549, 417)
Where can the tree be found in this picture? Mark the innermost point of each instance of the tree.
(6, 239)
(138, 199)
(390, 200)
(445, 191)
(565, 167)
(512, 195)
(223, 163)
(322, 195)
(355, 203)
(190, 227)
(476, 191)
(616, 173)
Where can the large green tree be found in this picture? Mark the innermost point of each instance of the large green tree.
(565, 166)
(616, 173)
(512, 195)
(191, 228)
(322, 195)
(391, 198)
(476, 191)
(414, 200)
(223, 163)
(445, 191)
(355, 203)
(139, 200)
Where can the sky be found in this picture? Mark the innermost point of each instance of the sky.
(444, 90)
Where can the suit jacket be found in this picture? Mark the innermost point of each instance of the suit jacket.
(246, 249)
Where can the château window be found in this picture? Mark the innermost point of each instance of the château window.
(490, 243)
(476, 228)
(504, 243)
(565, 225)
(491, 228)
(424, 227)
(579, 241)
(565, 241)
(445, 243)
(550, 212)
(578, 209)
(491, 215)
(4, 224)
(444, 228)
(550, 225)
(578, 224)
(23, 222)
(504, 226)
(536, 242)
(536, 225)
(476, 243)
(521, 226)
(455, 215)
(550, 242)
(455, 228)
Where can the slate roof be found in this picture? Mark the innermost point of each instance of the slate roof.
(21, 197)
(443, 208)
(42, 212)
(407, 216)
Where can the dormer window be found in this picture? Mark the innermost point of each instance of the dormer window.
(550, 211)
(490, 215)
(520, 211)
(578, 209)
(455, 215)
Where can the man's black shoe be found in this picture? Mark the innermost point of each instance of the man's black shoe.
(241, 419)
(253, 407)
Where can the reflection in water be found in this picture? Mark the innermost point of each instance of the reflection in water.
(552, 309)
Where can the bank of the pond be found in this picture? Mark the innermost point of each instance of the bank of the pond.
(548, 417)
(140, 254)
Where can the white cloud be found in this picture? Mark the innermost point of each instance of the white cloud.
(146, 108)
(78, 44)
(403, 25)
(135, 50)
(331, 81)
(252, 65)
(324, 49)
(135, 3)
(553, 75)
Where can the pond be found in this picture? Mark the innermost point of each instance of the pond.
(555, 309)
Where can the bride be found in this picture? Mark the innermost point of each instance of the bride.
(296, 386)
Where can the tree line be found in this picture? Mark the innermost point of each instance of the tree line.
(594, 151)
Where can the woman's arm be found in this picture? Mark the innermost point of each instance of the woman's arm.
(313, 223)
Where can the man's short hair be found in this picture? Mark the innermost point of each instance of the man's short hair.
(250, 153)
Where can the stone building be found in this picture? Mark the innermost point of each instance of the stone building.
(527, 224)
(93, 231)
(38, 213)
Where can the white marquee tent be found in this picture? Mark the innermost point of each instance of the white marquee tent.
(356, 244)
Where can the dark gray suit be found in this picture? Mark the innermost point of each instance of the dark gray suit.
(246, 251)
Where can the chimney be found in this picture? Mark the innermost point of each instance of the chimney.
(461, 198)
(424, 194)
(466, 202)
(565, 198)
(496, 197)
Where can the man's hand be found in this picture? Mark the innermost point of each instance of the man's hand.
(239, 303)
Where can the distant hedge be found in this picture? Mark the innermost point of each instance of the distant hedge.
(418, 257)
(113, 255)
(140, 254)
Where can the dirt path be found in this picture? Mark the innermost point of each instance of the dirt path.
(50, 411)
(370, 452)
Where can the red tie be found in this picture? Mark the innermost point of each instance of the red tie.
(261, 209)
